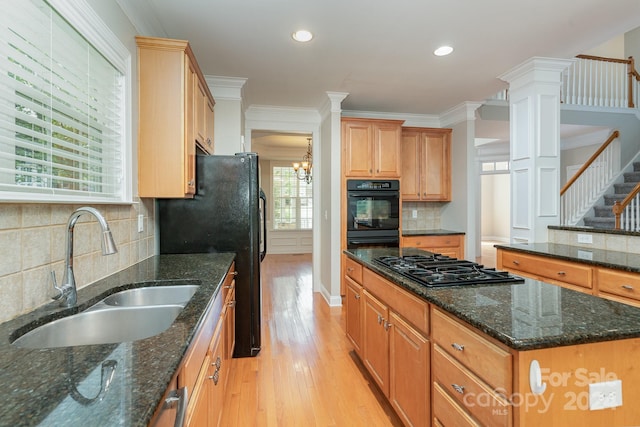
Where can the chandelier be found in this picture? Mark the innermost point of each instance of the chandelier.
(303, 169)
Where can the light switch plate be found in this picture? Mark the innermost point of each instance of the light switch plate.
(585, 238)
(606, 394)
(414, 213)
(140, 223)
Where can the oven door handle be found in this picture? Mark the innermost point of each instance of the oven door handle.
(377, 240)
(373, 194)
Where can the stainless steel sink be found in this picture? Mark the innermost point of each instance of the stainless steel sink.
(104, 326)
(152, 295)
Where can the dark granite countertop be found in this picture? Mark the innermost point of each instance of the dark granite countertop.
(57, 386)
(599, 257)
(430, 232)
(524, 316)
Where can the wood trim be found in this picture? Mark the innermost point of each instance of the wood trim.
(588, 163)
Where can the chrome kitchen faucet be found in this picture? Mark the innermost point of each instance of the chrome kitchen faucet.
(68, 293)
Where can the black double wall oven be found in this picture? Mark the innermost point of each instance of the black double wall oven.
(373, 213)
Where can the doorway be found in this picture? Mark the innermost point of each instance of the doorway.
(495, 213)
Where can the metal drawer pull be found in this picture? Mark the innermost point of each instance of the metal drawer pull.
(380, 319)
(349, 269)
(457, 346)
(387, 325)
(357, 296)
(516, 262)
(561, 273)
(627, 287)
(458, 388)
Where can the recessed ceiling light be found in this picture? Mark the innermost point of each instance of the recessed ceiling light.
(443, 50)
(302, 36)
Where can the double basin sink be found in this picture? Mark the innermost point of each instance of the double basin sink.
(128, 315)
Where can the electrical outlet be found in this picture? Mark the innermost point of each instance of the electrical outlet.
(606, 394)
(414, 213)
(140, 223)
(585, 238)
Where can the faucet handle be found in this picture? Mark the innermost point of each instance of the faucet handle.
(56, 287)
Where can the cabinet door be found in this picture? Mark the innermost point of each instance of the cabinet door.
(376, 341)
(201, 104)
(357, 149)
(386, 150)
(189, 140)
(216, 380)
(353, 303)
(230, 326)
(198, 409)
(411, 166)
(436, 161)
(409, 372)
(209, 122)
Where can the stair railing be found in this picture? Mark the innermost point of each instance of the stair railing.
(601, 82)
(627, 212)
(584, 188)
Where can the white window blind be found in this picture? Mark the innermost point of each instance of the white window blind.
(292, 200)
(61, 111)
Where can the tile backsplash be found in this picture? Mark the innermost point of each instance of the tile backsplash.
(427, 215)
(33, 243)
(600, 240)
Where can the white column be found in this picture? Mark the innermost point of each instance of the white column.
(534, 108)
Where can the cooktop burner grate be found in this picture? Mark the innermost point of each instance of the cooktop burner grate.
(441, 270)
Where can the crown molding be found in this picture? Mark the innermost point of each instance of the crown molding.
(230, 88)
(463, 112)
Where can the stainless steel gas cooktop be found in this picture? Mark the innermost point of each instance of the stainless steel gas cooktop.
(441, 270)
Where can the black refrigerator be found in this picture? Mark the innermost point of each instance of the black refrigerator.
(225, 215)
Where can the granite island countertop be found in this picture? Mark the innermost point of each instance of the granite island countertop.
(507, 312)
(598, 257)
(58, 386)
(430, 232)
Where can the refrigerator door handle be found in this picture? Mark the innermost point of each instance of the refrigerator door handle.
(263, 252)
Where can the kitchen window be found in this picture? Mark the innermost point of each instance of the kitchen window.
(63, 105)
(292, 200)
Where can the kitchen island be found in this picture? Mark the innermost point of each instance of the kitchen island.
(475, 346)
(59, 386)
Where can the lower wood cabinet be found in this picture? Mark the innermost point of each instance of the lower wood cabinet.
(353, 302)
(205, 368)
(394, 347)
(450, 245)
(409, 372)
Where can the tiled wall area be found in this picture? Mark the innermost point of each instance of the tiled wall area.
(427, 215)
(610, 242)
(33, 242)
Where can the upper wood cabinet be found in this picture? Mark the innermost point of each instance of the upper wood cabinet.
(426, 164)
(371, 148)
(173, 98)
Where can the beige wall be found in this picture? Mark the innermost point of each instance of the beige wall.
(496, 207)
(33, 243)
(32, 235)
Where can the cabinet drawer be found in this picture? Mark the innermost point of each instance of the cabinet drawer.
(412, 308)
(447, 413)
(547, 268)
(353, 270)
(622, 283)
(471, 393)
(229, 282)
(488, 361)
(447, 241)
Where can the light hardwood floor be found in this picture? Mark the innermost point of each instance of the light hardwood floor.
(306, 373)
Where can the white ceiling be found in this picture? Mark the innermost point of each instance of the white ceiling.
(380, 51)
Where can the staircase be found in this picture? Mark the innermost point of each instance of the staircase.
(603, 217)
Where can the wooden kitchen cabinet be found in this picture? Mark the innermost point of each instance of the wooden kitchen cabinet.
(171, 87)
(623, 286)
(409, 372)
(395, 349)
(451, 245)
(376, 340)
(426, 164)
(578, 277)
(371, 148)
(204, 117)
(353, 303)
(475, 373)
